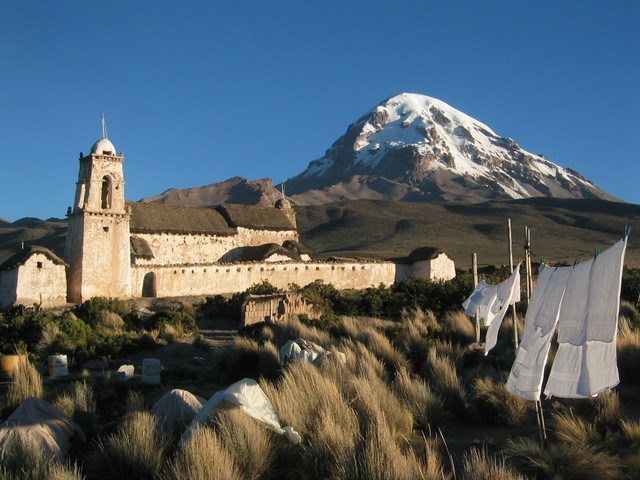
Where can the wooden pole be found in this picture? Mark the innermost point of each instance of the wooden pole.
(527, 263)
(513, 309)
(474, 265)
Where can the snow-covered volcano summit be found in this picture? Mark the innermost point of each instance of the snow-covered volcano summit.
(414, 147)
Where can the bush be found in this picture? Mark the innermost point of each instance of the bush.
(161, 320)
(91, 309)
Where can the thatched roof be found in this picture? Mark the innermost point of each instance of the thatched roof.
(140, 247)
(262, 252)
(160, 218)
(296, 246)
(23, 255)
(255, 217)
(426, 253)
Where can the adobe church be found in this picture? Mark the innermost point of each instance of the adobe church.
(120, 249)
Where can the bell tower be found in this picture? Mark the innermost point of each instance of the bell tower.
(97, 247)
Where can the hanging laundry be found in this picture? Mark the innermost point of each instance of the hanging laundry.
(585, 363)
(525, 378)
(508, 294)
(491, 302)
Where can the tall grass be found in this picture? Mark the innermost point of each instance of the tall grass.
(80, 406)
(413, 337)
(426, 407)
(250, 444)
(569, 461)
(458, 327)
(478, 465)
(27, 383)
(442, 376)
(203, 457)
(22, 457)
(134, 451)
(495, 405)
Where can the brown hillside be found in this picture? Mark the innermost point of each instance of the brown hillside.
(561, 229)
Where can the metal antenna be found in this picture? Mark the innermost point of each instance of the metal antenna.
(104, 127)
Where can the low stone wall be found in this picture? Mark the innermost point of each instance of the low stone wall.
(276, 308)
(218, 278)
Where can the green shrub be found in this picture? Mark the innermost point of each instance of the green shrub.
(90, 309)
(161, 320)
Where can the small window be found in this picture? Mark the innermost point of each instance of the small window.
(106, 229)
(39, 264)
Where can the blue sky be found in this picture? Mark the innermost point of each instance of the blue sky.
(196, 92)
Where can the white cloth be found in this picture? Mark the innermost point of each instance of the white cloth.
(480, 299)
(525, 378)
(247, 395)
(507, 293)
(306, 350)
(585, 363)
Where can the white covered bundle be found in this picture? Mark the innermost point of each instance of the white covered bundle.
(305, 350)
(248, 396)
(175, 411)
(38, 420)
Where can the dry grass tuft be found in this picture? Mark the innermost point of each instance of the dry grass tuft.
(441, 375)
(250, 444)
(382, 348)
(203, 457)
(378, 407)
(570, 428)
(496, 405)
(293, 328)
(628, 349)
(80, 406)
(27, 383)
(478, 465)
(172, 332)
(457, 327)
(569, 461)
(22, 457)
(201, 343)
(134, 451)
(110, 322)
(426, 407)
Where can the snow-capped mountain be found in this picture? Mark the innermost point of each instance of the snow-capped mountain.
(414, 147)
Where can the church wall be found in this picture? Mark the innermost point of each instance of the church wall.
(41, 281)
(105, 260)
(218, 278)
(252, 238)
(186, 249)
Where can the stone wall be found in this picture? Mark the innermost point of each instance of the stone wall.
(276, 308)
(218, 278)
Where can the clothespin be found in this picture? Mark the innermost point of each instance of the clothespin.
(627, 231)
(576, 261)
(596, 253)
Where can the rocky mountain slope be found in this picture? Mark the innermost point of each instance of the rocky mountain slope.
(236, 190)
(416, 148)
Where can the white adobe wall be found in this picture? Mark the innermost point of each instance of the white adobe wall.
(439, 268)
(46, 284)
(199, 249)
(230, 278)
